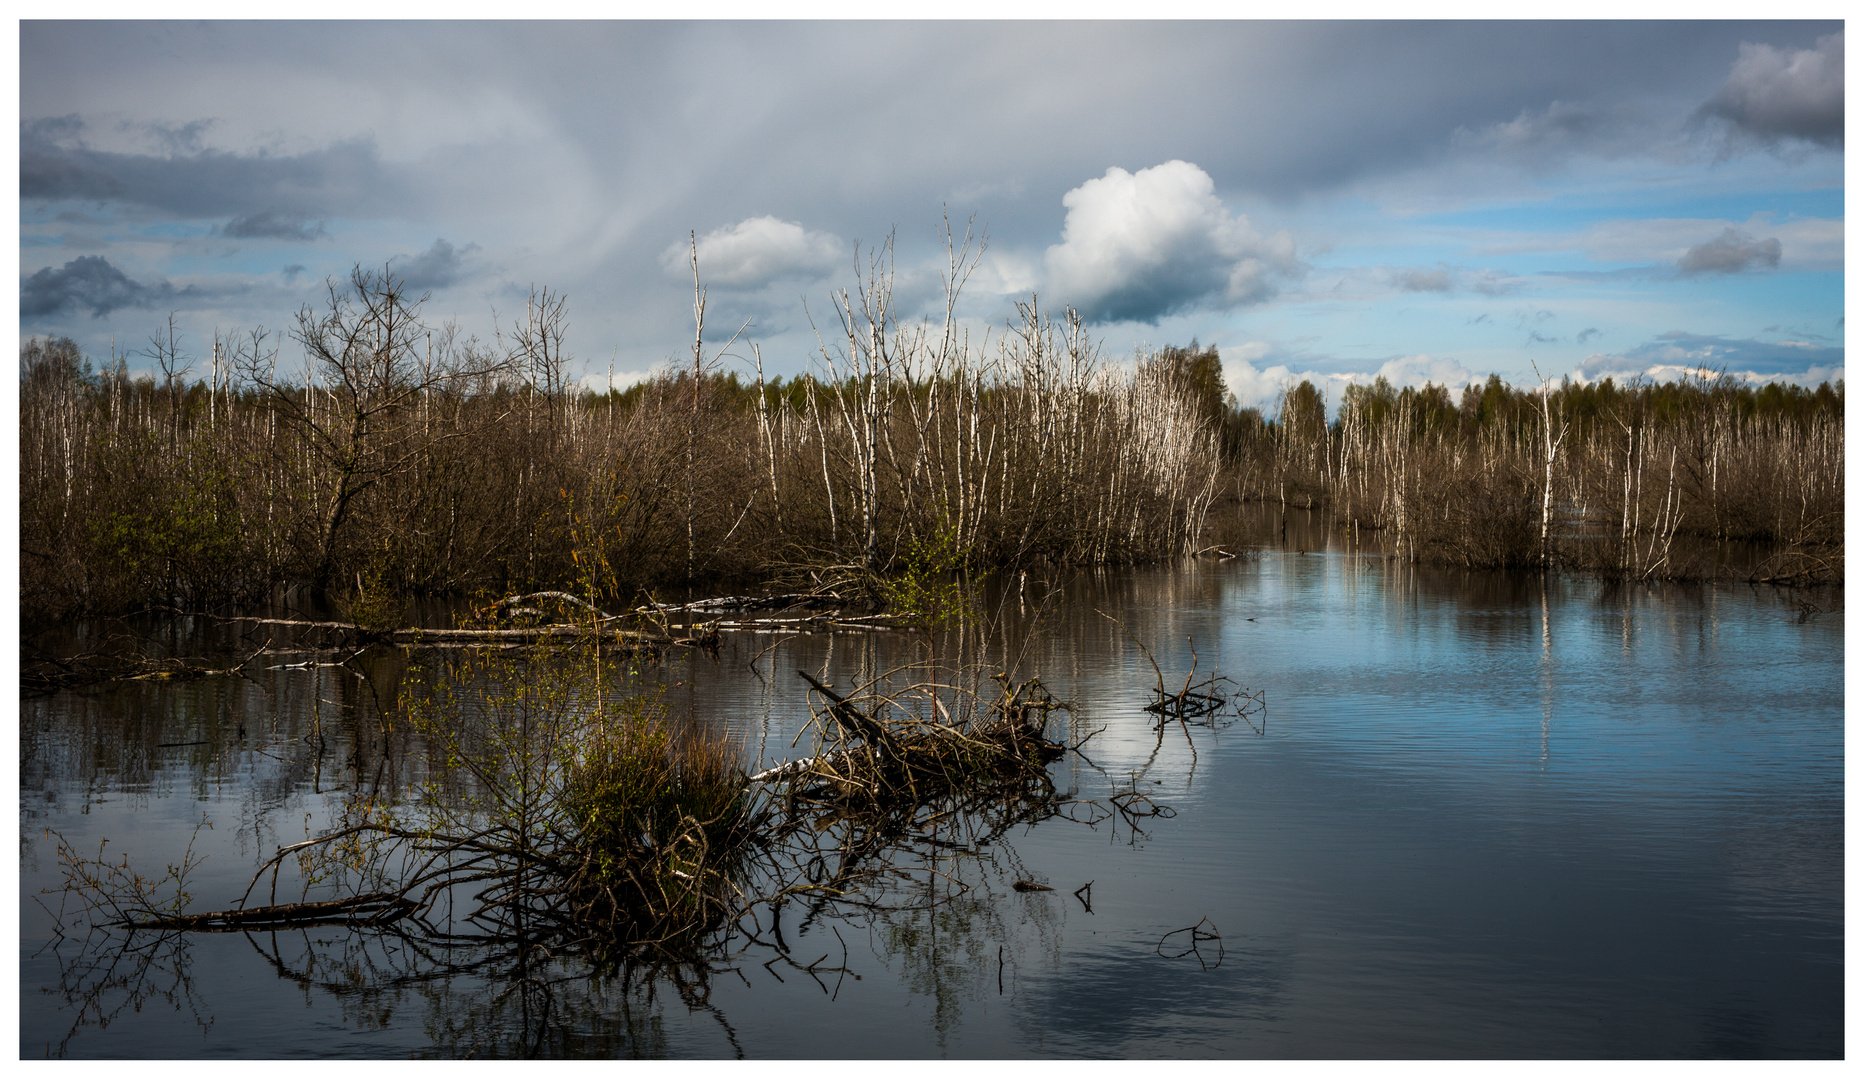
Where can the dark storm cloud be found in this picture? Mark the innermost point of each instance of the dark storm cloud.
(1786, 93)
(90, 281)
(435, 268)
(1400, 95)
(1247, 101)
(271, 225)
(346, 177)
(1730, 253)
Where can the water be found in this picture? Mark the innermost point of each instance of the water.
(1489, 816)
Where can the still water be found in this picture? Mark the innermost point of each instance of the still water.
(1487, 815)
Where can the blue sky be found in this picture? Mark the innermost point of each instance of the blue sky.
(1331, 201)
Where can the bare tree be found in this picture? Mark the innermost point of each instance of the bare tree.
(165, 349)
(702, 366)
(369, 359)
(537, 353)
(1551, 442)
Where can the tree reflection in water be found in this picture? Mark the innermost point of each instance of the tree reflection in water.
(913, 850)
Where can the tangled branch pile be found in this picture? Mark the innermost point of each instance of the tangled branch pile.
(874, 752)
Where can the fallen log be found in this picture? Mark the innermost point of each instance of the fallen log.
(750, 603)
(418, 635)
(799, 767)
(94, 668)
(422, 635)
(510, 602)
(375, 909)
(866, 727)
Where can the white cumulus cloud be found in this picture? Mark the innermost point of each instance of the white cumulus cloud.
(755, 252)
(1261, 388)
(601, 382)
(1137, 246)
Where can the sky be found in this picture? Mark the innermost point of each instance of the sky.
(1333, 201)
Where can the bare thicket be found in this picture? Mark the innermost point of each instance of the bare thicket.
(1600, 477)
(390, 459)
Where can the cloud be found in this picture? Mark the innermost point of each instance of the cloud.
(1559, 132)
(346, 177)
(1654, 245)
(756, 252)
(89, 281)
(1730, 253)
(1423, 280)
(1491, 283)
(1138, 246)
(1773, 94)
(1679, 353)
(1261, 388)
(602, 382)
(1446, 278)
(1586, 335)
(435, 268)
(271, 225)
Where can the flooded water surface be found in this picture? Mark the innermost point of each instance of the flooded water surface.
(1480, 815)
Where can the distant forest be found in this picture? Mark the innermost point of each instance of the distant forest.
(385, 459)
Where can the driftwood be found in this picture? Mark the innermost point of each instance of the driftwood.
(510, 605)
(885, 756)
(852, 719)
(752, 603)
(423, 635)
(369, 909)
(45, 674)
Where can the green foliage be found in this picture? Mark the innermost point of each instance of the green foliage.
(1304, 410)
(174, 530)
(1201, 372)
(376, 604)
(926, 585)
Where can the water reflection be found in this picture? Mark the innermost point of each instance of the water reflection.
(1491, 815)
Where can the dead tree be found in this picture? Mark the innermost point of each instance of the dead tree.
(1551, 442)
(369, 360)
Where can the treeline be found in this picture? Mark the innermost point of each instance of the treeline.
(1601, 477)
(391, 459)
(387, 459)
